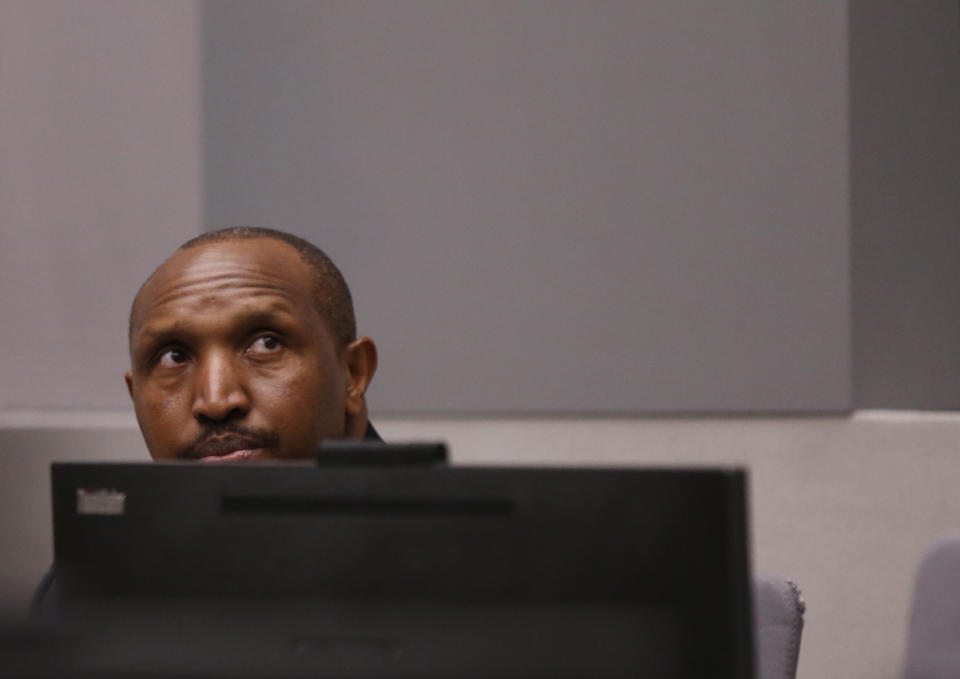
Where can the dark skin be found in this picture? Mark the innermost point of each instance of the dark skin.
(231, 359)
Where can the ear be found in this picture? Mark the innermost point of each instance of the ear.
(360, 358)
(128, 377)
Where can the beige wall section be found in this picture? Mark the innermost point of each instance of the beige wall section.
(100, 173)
(844, 506)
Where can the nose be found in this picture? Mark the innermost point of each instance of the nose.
(220, 391)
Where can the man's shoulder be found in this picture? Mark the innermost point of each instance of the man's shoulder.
(43, 606)
(371, 434)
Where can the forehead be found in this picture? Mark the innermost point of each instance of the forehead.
(237, 271)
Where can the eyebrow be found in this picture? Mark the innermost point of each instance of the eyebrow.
(157, 333)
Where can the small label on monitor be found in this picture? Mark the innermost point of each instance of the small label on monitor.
(100, 501)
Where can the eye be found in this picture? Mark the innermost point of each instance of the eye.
(265, 344)
(173, 357)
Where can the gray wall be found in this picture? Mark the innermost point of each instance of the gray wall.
(905, 198)
(555, 205)
(100, 176)
(638, 207)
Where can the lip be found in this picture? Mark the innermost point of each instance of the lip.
(235, 456)
(228, 448)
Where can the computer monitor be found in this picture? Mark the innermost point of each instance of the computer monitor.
(429, 571)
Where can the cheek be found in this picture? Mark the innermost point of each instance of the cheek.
(308, 401)
(159, 405)
(299, 383)
(164, 420)
(321, 392)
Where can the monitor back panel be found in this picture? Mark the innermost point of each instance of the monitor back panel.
(450, 571)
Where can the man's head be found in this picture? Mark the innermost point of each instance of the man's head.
(243, 345)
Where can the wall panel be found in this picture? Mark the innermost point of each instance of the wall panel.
(555, 205)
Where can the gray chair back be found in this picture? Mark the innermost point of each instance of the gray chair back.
(933, 637)
(778, 609)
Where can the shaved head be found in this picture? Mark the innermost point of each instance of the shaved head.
(332, 295)
(243, 346)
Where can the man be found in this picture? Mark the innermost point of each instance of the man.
(243, 346)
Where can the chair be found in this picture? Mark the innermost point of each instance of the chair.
(933, 636)
(778, 625)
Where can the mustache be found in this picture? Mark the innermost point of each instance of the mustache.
(227, 435)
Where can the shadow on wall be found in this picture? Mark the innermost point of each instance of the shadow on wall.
(905, 206)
